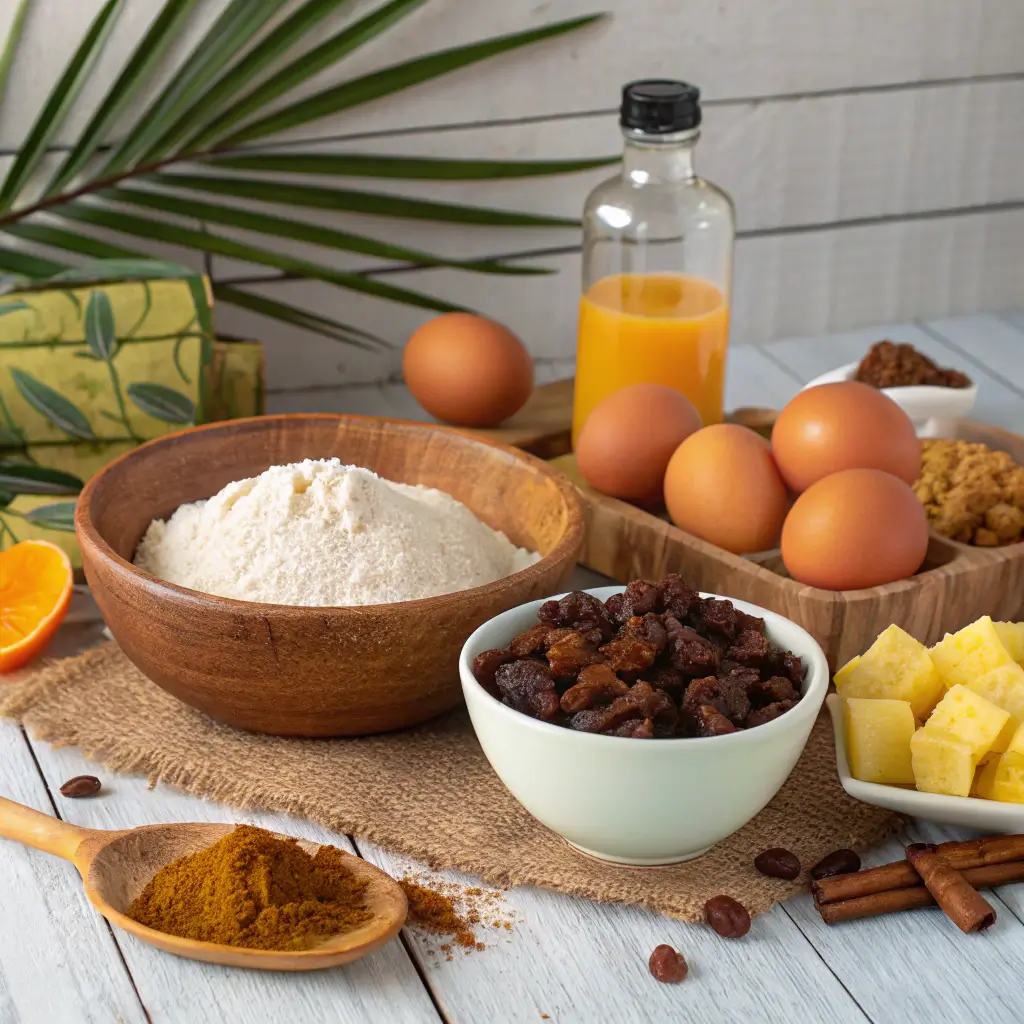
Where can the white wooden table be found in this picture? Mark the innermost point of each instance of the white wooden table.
(566, 959)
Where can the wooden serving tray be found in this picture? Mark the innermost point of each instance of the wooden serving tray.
(958, 583)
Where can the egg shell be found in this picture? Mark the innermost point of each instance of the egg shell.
(467, 370)
(854, 529)
(846, 425)
(627, 440)
(722, 485)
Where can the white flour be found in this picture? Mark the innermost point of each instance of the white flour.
(321, 533)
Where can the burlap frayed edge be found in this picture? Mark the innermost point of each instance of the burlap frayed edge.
(123, 757)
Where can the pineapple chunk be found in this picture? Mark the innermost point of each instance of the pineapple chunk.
(1016, 744)
(1002, 779)
(969, 718)
(941, 763)
(843, 673)
(878, 740)
(964, 656)
(896, 667)
(1004, 686)
(1011, 635)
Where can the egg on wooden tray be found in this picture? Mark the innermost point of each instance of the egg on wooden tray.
(627, 440)
(467, 370)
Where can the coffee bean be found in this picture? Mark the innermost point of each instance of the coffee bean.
(667, 965)
(81, 785)
(839, 862)
(727, 916)
(777, 863)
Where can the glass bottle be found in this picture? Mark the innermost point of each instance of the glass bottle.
(657, 261)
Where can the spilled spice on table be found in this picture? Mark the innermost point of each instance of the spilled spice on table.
(449, 909)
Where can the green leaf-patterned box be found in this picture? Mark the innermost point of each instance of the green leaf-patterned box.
(88, 371)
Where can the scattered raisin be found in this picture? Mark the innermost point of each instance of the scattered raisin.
(528, 687)
(728, 917)
(81, 785)
(667, 965)
(839, 862)
(778, 863)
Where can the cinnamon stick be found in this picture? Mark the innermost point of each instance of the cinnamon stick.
(971, 853)
(915, 896)
(963, 904)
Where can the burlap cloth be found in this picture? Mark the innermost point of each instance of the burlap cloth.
(426, 792)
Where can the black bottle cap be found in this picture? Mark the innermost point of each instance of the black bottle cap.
(658, 106)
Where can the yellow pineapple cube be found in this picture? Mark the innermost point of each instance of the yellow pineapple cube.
(970, 718)
(1004, 687)
(878, 740)
(968, 654)
(1002, 778)
(941, 763)
(1011, 635)
(1016, 742)
(895, 667)
(843, 673)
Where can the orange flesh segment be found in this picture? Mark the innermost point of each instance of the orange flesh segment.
(35, 591)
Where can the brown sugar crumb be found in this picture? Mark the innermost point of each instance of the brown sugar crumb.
(888, 365)
(452, 910)
(971, 493)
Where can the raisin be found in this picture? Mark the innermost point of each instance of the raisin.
(677, 597)
(739, 675)
(650, 628)
(642, 729)
(641, 701)
(771, 691)
(577, 609)
(667, 965)
(591, 636)
(596, 685)
(727, 697)
(787, 664)
(81, 785)
(688, 650)
(527, 686)
(778, 863)
(745, 621)
(728, 917)
(627, 654)
(711, 722)
(530, 642)
(613, 606)
(571, 654)
(751, 648)
(669, 679)
(839, 862)
(759, 716)
(486, 664)
(715, 616)
(640, 597)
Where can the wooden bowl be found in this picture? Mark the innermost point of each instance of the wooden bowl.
(306, 671)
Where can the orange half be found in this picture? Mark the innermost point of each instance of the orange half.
(35, 591)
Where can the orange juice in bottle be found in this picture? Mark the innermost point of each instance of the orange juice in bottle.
(657, 262)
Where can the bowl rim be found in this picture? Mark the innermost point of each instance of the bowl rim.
(816, 683)
(920, 391)
(89, 537)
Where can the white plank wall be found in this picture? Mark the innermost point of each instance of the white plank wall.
(873, 148)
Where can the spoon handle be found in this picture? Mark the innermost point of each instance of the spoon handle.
(42, 831)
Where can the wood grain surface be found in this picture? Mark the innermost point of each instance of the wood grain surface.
(314, 671)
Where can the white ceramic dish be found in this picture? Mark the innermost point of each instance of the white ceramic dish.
(640, 802)
(932, 409)
(966, 811)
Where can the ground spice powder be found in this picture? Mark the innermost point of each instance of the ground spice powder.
(257, 890)
(436, 912)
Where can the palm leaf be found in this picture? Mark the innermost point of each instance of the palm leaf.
(64, 94)
(314, 234)
(367, 203)
(98, 326)
(161, 402)
(52, 405)
(26, 264)
(60, 515)
(239, 23)
(394, 79)
(122, 93)
(126, 269)
(419, 168)
(11, 44)
(28, 478)
(324, 56)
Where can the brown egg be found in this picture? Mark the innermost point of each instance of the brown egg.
(722, 486)
(467, 370)
(847, 425)
(854, 529)
(627, 440)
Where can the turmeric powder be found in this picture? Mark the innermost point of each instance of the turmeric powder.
(257, 890)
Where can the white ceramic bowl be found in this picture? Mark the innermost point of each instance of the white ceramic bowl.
(931, 409)
(640, 802)
(966, 811)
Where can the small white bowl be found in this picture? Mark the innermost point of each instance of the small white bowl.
(966, 811)
(640, 802)
(932, 409)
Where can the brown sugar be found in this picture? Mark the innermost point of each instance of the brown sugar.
(449, 909)
(436, 912)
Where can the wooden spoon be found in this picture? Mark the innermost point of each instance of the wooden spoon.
(117, 866)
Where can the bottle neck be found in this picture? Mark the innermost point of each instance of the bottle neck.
(658, 159)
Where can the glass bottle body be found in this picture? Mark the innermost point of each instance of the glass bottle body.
(657, 275)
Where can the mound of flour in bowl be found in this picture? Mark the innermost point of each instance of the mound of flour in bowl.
(322, 533)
